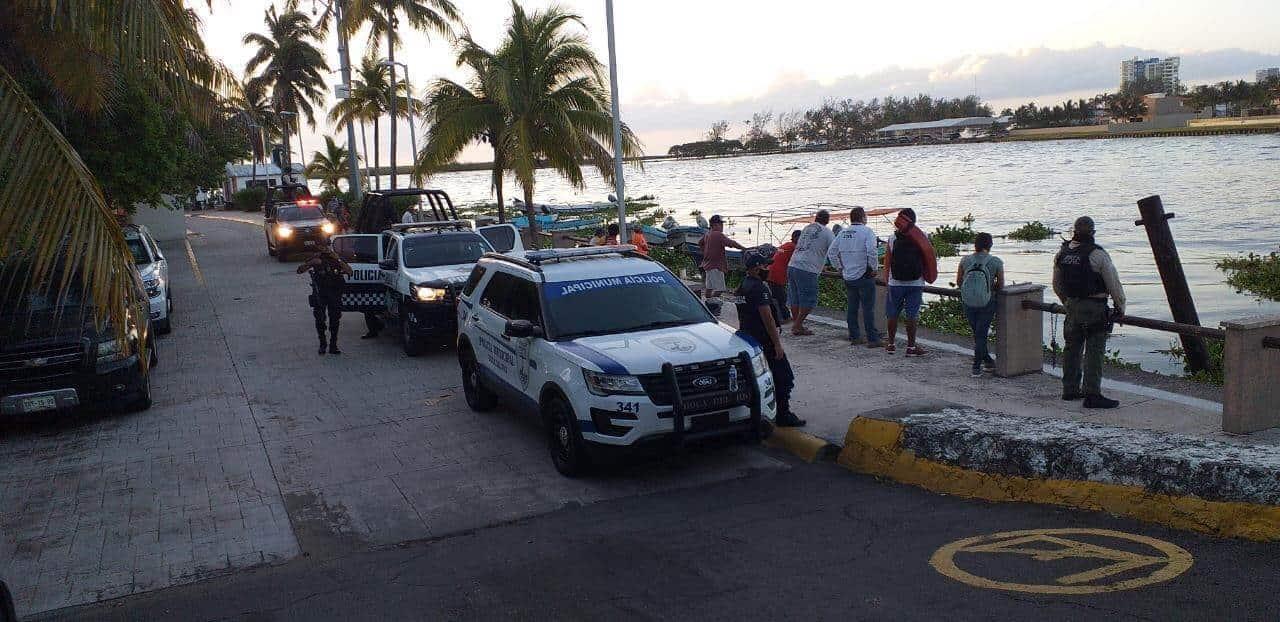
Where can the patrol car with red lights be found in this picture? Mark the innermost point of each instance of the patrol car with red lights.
(610, 349)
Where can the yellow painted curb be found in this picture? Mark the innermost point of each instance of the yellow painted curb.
(807, 447)
(874, 446)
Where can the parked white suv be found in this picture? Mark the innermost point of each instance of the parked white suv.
(412, 273)
(610, 350)
(155, 275)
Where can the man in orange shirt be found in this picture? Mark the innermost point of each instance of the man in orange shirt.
(777, 278)
(638, 241)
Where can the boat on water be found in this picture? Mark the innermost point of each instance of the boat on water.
(550, 222)
(685, 234)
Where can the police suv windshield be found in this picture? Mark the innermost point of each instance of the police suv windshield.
(430, 250)
(294, 212)
(620, 304)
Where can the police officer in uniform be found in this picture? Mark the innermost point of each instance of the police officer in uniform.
(1083, 278)
(757, 317)
(327, 270)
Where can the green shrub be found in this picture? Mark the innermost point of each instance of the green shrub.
(1031, 232)
(943, 248)
(1257, 274)
(954, 235)
(249, 199)
(1213, 375)
(946, 314)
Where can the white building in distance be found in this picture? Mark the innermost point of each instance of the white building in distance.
(1262, 75)
(1162, 70)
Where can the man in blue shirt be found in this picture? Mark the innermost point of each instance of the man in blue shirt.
(853, 253)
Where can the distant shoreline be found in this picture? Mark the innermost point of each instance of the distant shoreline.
(1039, 134)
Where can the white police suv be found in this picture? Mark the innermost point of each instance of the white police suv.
(609, 349)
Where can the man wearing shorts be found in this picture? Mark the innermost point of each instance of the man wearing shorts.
(802, 271)
(911, 262)
(714, 265)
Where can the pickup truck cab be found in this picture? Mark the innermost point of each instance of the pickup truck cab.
(609, 349)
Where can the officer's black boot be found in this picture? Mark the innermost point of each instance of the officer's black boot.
(322, 344)
(333, 344)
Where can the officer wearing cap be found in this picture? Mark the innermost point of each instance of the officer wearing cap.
(327, 270)
(756, 318)
(1083, 278)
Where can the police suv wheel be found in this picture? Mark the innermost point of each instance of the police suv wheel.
(563, 438)
(479, 398)
(412, 345)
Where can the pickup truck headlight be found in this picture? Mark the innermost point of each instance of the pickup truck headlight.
(284, 231)
(609, 384)
(109, 351)
(758, 364)
(328, 228)
(427, 294)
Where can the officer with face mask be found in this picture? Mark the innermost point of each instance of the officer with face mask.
(327, 271)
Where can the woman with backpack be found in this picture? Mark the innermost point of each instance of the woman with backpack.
(980, 276)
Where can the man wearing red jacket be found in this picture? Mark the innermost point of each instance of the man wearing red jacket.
(910, 262)
(777, 278)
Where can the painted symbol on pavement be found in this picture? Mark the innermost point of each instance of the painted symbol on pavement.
(1126, 562)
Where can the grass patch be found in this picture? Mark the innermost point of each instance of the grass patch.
(1213, 375)
(1113, 359)
(1031, 232)
(946, 315)
(1257, 274)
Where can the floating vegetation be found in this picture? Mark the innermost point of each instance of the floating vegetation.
(1257, 274)
(943, 248)
(954, 235)
(1032, 232)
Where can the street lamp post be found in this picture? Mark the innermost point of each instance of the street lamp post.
(344, 58)
(413, 131)
(619, 185)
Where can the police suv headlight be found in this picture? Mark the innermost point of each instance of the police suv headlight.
(427, 294)
(327, 227)
(610, 384)
(758, 364)
(284, 231)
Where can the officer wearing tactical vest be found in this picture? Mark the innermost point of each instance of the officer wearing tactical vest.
(1083, 278)
(327, 270)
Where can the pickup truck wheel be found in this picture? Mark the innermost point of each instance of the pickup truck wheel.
(271, 250)
(478, 397)
(413, 346)
(143, 400)
(564, 439)
(281, 255)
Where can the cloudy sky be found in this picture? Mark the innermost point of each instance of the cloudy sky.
(684, 64)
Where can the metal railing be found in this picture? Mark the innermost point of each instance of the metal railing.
(1141, 322)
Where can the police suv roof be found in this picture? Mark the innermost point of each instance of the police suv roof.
(564, 266)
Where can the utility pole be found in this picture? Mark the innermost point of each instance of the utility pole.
(619, 185)
(391, 57)
(344, 59)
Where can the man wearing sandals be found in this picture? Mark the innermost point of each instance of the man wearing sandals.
(802, 271)
(911, 263)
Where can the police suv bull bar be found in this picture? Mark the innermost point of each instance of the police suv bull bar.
(680, 436)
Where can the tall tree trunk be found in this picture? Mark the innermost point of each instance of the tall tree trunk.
(530, 213)
(391, 57)
(286, 167)
(497, 186)
(364, 142)
(302, 153)
(377, 157)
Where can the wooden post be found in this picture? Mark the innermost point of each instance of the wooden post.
(1156, 222)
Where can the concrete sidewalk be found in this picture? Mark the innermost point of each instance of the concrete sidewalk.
(836, 381)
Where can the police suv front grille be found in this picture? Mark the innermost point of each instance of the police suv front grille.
(695, 379)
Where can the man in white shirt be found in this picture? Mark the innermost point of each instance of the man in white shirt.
(803, 270)
(853, 253)
(409, 216)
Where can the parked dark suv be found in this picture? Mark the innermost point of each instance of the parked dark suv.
(53, 357)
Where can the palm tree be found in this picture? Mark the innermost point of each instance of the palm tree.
(437, 16)
(548, 83)
(251, 110)
(459, 115)
(52, 210)
(368, 101)
(330, 166)
(293, 68)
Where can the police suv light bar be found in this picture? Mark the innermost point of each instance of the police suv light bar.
(537, 257)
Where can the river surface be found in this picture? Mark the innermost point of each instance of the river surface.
(1225, 191)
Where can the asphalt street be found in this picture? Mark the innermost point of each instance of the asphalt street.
(269, 483)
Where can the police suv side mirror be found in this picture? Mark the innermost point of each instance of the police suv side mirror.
(521, 329)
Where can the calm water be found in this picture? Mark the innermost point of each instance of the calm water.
(1224, 190)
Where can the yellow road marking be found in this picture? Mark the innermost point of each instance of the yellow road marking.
(1054, 545)
(195, 265)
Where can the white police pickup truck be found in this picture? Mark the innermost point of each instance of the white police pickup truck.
(609, 349)
(412, 272)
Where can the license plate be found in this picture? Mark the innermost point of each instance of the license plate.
(39, 403)
(719, 401)
(709, 422)
(309, 243)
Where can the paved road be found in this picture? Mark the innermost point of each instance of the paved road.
(270, 482)
(814, 542)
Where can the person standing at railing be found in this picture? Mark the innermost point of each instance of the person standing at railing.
(777, 277)
(911, 263)
(853, 253)
(804, 268)
(1083, 278)
(980, 276)
(715, 262)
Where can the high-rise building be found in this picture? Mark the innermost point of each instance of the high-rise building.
(1262, 75)
(1160, 70)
